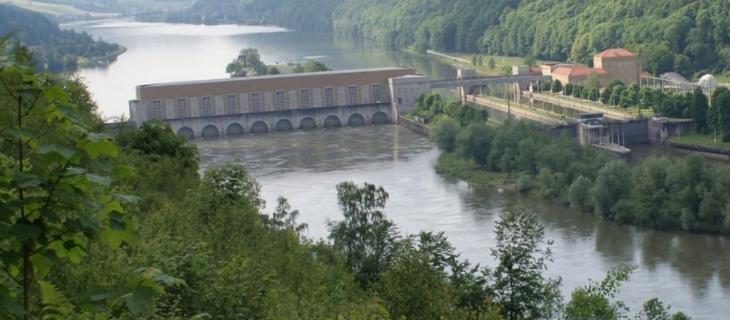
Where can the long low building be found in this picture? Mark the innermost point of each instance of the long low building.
(236, 106)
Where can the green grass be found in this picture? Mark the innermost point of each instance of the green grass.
(51, 8)
(527, 108)
(701, 140)
(500, 62)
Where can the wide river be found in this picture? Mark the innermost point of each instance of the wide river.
(690, 272)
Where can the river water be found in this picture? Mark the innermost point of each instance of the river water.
(690, 272)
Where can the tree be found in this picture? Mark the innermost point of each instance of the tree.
(444, 133)
(568, 91)
(530, 60)
(519, 285)
(594, 300)
(557, 86)
(474, 143)
(310, 66)
(699, 107)
(480, 60)
(617, 94)
(721, 107)
(273, 70)
(57, 198)
(248, 63)
(491, 64)
(611, 186)
(579, 193)
(474, 60)
(365, 237)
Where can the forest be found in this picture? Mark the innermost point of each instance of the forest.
(691, 37)
(678, 194)
(53, 49)
(123, 226)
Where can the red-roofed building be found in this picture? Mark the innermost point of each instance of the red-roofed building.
(609, 65)
(621, 64)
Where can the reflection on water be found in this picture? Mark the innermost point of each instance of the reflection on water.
(690, 272)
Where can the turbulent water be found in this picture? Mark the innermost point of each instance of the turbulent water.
(690, 272)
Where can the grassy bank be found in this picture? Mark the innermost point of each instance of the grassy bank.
(456, 167)
(701, 140)
(502, 64)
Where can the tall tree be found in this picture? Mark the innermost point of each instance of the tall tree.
(365, 237)
(699, 106)
(519, 284)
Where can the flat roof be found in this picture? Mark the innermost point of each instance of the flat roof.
(278, 76)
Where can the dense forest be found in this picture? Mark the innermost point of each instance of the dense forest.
(53, 49)
(686, 194)
(687, 36)
(124, 227)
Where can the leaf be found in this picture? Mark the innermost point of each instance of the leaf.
(127, 198)
(63, 151)
(21, 133)
(24, 232)
(123, 171)
(97, 179)
(26, 180)
(140, 300)
(99, 145)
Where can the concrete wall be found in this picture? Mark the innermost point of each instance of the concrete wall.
(405, 90)
(629, 133)
(270, 120)
(662, 129)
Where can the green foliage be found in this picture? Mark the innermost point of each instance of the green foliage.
(310, 66)
(594, 301)
(53, 49)
(444, 134)
(656, 193)
(59, 199)
(365, 237)
(431, 107)
(248, 63)
(491, 64)
(557, 86)
(519, 285)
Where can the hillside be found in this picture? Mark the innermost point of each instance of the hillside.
(304, 15)
(687, 36)
(53, 49)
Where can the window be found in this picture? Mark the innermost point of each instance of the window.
(156, 110)
(231, 104)
(256, 102)
(353, 95)
(304, 95)
(207, 109)
(280, 101)
(376, 92)
(329, 99)
(182, 108)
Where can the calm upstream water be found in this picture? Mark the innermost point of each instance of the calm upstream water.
(690, 272)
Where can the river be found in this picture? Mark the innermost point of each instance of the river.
(689, 272)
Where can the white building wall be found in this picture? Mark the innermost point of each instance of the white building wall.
(169, 112)
(293, 99)
(316, 96)
(341, 96)
(219, 105)
(195, 107)
(244, 103)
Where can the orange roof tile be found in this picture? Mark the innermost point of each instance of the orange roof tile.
(616, 53)
(577, 70)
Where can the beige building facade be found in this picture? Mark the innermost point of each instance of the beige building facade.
(278, 102)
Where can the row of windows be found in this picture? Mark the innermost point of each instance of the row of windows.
(207, 109)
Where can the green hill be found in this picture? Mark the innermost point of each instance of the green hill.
(687, 36)
(53, 49)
